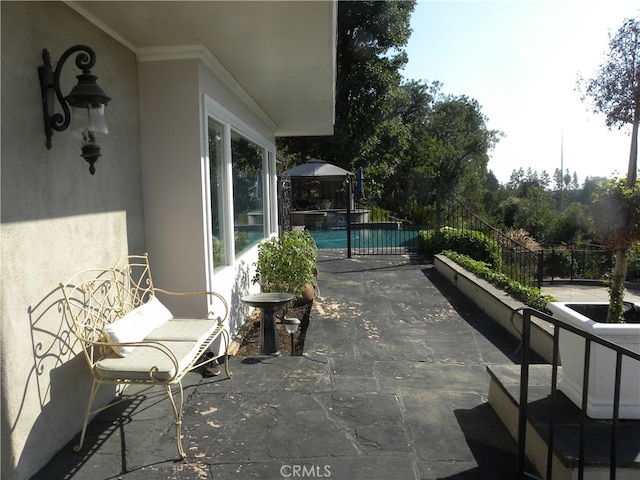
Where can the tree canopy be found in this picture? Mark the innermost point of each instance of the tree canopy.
(406, 135)
(615, 90)
(370, 55)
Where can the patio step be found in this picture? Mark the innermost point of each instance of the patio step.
(504, 391)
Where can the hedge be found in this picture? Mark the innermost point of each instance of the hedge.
(530, 296)
(471, 243)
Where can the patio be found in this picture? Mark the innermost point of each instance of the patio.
(393, 384)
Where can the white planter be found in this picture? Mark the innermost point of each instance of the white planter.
(602, 364)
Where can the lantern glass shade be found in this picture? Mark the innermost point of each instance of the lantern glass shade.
(291, 324)
(87, 121)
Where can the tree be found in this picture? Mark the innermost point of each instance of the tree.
(395, 166)
(536, 212)
(371, 35)
(463, 140)
(448, 147)
(460, 143)
(405, 135)
(615, 92)
(572, 225)
(565, 181)
(521, 182)
(590, 186)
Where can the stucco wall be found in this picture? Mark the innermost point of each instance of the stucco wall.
(235, 281)
(171, 162)
(56, 219)
(174, 138)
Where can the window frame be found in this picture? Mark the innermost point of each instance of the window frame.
(231, 123)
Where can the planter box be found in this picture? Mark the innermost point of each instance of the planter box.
(497, 304)
(602, 363)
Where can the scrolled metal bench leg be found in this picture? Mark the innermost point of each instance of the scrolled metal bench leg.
(177, 413)
(226, 366)
(225, 337)
(92, 395)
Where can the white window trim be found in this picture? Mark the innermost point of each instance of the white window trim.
(230, 122)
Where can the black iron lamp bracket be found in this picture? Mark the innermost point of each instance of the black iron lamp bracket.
(86, 93)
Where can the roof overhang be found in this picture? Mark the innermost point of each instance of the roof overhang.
(280, 54)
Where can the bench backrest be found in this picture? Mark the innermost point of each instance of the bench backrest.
(99, 296)
(133, 277)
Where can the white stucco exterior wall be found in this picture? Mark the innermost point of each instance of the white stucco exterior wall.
(174, 140)
(56, 219)
(235, 281)
(170, 135)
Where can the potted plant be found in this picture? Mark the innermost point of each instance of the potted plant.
(616, 216)
(615, 92)
(288, 264)
(591, 317)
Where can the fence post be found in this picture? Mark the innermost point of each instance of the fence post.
(349, 196)
(438, 207)
(540, 266)
(573, 262)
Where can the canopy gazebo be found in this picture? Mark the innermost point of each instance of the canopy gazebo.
(318, 168)
(321, 195)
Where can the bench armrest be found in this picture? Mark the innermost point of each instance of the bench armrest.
(169, 372)
(222, 300)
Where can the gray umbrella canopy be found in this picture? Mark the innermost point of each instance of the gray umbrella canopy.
(317, 168)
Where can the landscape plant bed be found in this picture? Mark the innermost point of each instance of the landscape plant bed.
(602, 361)
(598, 312)
(249, 335)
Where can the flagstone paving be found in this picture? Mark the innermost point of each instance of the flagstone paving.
(392, 385)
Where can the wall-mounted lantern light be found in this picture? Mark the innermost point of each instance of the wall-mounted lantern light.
(87, 101)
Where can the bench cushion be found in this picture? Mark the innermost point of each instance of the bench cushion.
(184, 330)
(136, 325)
(138, 364)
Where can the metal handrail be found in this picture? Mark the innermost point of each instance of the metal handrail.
(527, 313)
(518, 261)
(527, 266)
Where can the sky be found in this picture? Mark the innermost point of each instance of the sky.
(521, 60)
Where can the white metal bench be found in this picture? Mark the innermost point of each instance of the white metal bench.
(129, 338)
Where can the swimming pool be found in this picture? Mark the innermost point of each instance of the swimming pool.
(368, 238)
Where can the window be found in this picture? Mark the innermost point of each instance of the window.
(248, 199)
(216, 178)
(241, 175)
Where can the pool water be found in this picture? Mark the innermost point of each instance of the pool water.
(366, 238)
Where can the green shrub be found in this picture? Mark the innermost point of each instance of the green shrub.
(378, 214)
(530, 296)
(633, 265)
(421, 214)
(471, 243)
(287, 263)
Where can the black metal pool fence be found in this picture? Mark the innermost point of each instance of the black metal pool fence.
(556, 263)
(529, 264)
(576, 262)
(385, 238)
(548, 264)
